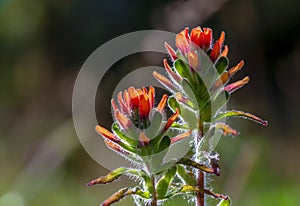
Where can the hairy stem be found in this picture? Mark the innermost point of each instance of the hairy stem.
(154, 198)
(200, 174)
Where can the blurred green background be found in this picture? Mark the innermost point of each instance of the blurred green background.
(43, 44)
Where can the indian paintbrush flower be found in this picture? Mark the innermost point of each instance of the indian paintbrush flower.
(141, 129)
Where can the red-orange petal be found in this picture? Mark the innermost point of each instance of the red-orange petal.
(215, 52)
(222, 38)
(105, 133)
(171, 120)
(144, 106)
(185, 33)
(196, 36)
(171, 51)
(144, 140)
(236, 68)
(115, 147)
(182, 44)
(236, 85)
(151, 95)
(181, 136)
(134, 98)
(206, 38)
(114, 105)
(162, 103)
(123, 120)
(225, 51)
(193, 60)
(166, 82)
(175, 76)
(123, 105)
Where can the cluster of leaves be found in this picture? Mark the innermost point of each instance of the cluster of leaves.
(141, 133)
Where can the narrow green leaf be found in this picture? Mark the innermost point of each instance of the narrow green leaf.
(189, 91)
(189, 162)
(125, 192)
(234, 113)
(187, 114)
(164, 144)
(222, 64)
(202, 93)
(183, 70)
(115, 174)
(156, 119)
(164, 182)
(186, 177)
(193, 189)
(224, 202)
(130, 141)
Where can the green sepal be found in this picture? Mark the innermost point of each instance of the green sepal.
(188, 115)
(156, 119)
(235, 113)
(189, 91)
(220, 99)
(164, 182)
(224, 202)
(130, 141)
(183, 70)
(222, 64)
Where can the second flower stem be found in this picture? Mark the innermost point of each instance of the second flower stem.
(200, 174)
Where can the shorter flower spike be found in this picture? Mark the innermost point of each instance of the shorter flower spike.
(105, 133)
(236, 85)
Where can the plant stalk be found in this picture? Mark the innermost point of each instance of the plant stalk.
(154, 198)
(200, 174)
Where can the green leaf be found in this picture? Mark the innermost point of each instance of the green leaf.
(234, 113)
(202, 94)
(115, 174)
(222, 64)
(125, 192)
(189, 162)
(156, 119)
(224, 202)
(183, 70)
(130, 141)
(187, 114)
(164, 144)
(188, 178)
(189, 92)
(164, 182)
